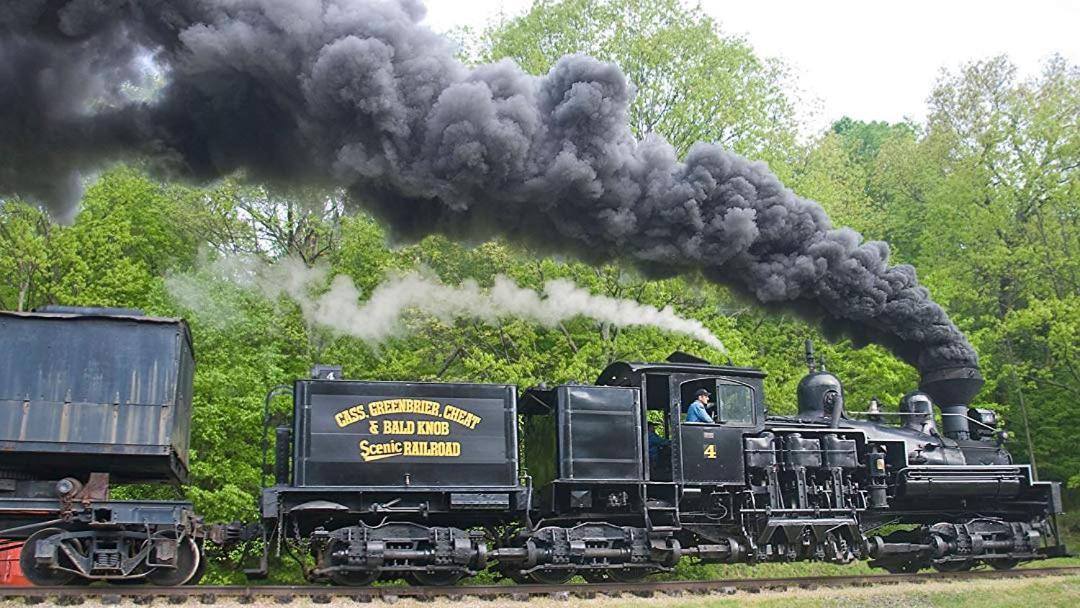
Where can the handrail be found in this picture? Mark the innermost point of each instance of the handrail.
(273, 392)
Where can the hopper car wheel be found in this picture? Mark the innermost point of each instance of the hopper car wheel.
(435, 579)
(187, 564)
(551, 577)
(953, 566)
(1003, 563)
(126, 581)
(40, 575)
(200, 570)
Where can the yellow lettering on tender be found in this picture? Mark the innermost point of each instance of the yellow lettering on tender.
(350, 415)
(465, 418)
(432, 427)
(404, 406)
(437, 449)
(399, 427)
(377, 451)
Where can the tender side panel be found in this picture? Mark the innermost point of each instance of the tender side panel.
(386, 434)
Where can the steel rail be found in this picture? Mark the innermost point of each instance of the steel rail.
(324, 594)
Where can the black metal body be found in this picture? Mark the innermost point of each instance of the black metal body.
(745, 487)
(385, 476)
(396, 434)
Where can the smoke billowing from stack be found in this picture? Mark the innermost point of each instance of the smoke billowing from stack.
(355, 93)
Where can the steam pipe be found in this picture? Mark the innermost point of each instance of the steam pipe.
(837, 411)
(810, 356)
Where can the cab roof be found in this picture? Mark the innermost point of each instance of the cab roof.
(626, 372)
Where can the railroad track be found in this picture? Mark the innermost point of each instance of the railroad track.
(323, 594)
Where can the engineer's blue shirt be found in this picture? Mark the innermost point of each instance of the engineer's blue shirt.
(697, 413)
(655, 443)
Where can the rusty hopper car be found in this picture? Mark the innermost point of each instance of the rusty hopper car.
(92, 390)
(90, 397)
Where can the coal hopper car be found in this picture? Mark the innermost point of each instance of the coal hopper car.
(92, 398)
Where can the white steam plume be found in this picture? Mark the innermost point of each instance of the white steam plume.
(341, 309)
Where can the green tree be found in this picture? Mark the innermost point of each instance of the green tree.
(990, 190)
(693, 82)
(30, 242)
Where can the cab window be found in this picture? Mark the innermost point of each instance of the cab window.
(730, 403)
(735, 403)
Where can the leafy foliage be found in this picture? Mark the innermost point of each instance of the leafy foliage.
(982, 199)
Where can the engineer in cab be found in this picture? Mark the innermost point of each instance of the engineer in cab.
(696, 411)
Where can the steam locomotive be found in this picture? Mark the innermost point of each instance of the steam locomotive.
(433, 482)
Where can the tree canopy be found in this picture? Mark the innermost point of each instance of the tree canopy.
(983, 198)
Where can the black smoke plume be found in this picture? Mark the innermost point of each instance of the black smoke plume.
(356, 93)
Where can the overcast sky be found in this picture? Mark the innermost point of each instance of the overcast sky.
(868, 60)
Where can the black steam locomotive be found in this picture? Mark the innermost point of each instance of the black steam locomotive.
(433, 482)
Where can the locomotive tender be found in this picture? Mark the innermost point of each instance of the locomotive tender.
(433, 482)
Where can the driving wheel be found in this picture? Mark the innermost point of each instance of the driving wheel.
(437, 578)
(628, 575)
(347, 578)
(953, 566)
(551, 577)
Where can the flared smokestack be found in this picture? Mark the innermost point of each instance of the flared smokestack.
(356, 94)
(952, 389)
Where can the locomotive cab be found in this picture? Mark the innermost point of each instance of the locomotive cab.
(700, 452)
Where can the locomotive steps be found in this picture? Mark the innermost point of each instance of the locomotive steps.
(262, 595)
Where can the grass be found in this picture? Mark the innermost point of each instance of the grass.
(690, 571)
(1050, 592)
(1063, 591)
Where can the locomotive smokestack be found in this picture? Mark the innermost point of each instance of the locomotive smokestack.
(357, 94)
(952, 389)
